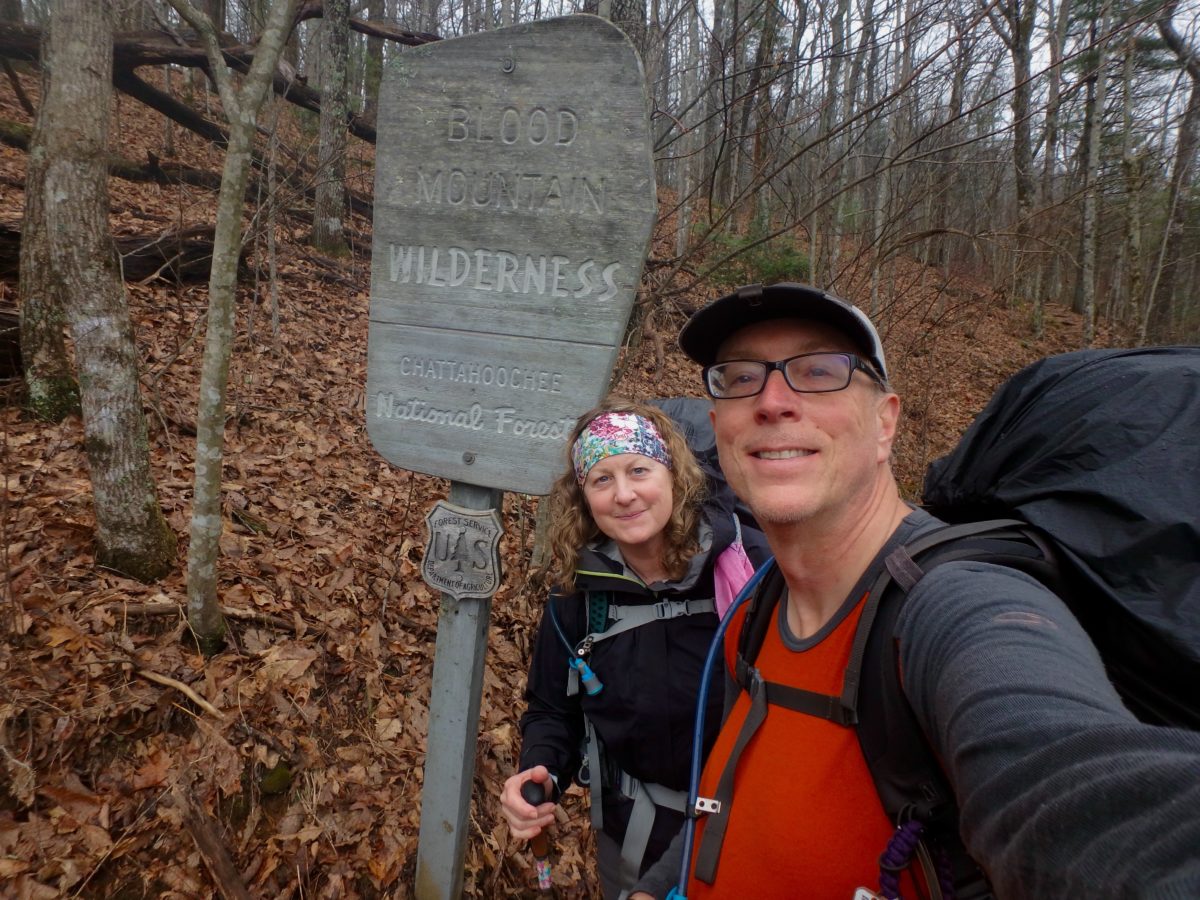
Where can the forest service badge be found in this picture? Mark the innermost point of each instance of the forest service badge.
(462, 557)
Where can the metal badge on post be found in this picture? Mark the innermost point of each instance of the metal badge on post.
(462, 557)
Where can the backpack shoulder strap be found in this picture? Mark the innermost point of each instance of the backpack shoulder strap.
(760, 613)
(597, 609)
(907, 775)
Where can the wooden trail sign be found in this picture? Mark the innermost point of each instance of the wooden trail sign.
(514, 200)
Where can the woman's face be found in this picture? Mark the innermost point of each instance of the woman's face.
(630, 498)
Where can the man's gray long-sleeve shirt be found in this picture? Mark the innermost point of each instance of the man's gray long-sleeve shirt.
(1062, 791)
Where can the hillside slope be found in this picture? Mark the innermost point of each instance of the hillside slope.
(299, 748)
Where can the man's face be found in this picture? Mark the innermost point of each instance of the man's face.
(796, 457)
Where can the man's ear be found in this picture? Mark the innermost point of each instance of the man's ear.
(889, 417)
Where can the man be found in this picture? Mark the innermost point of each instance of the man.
(1061, 791)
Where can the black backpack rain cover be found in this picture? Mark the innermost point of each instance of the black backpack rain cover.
(1100, 449)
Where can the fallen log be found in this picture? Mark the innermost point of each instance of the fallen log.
(146, 93)
(17, 136)
(178, 255)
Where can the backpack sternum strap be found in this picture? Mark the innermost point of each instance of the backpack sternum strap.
(626, 617)
(823, 706)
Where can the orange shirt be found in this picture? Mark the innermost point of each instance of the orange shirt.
(805, 820)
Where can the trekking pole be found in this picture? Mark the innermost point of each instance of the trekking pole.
(534, 793)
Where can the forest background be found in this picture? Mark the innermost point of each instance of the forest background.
(216, 642)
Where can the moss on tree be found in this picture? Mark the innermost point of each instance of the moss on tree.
(52, 399)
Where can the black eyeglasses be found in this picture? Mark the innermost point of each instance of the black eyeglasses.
(808, 373)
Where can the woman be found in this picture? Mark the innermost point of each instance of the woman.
(612, 687)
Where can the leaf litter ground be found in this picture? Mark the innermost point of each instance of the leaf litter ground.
(299, 749)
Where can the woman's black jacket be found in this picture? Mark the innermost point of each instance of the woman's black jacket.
(651, 674)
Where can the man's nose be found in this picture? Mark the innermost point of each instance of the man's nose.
(777, 396)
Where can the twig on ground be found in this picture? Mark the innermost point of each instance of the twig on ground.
(212, 850)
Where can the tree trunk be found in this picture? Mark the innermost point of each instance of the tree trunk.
(52, 393)
(241, 108)
(1057, 37)
(1086, 286)
(431, 15)
(131, 534)
(691, 150)
(215, 10)
(1133, 172)
(1013, 21)
(373, 64)
(1161, 311)
(328, 234)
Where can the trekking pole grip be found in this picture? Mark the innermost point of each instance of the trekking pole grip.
(534, 793)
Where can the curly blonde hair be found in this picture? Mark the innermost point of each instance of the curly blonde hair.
(571, 523)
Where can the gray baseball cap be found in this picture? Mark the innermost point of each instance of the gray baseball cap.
(709, 327)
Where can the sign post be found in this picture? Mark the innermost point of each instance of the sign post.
(453, 725)
(514, 201)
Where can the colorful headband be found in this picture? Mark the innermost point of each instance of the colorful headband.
(614, 433)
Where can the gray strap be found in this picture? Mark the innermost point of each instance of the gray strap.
(664, 609)
(647, 797)
(626, 618)
(662, 796)
(637, 836)
(595, 775)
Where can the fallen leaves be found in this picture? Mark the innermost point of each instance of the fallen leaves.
(104, 710)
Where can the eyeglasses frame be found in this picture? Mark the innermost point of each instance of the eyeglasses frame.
(780, 366)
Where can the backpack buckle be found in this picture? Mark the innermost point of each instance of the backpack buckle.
(669, 609)
(705, 806)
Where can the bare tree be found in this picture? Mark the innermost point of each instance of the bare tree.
(49, 381)
(1085, 292)
(215, 10)
(1161, 310)
(859, 131)
(241, 109)
(1013, 21)
(328, 234)
(71, 187)
(373, 64)
(1134, 175)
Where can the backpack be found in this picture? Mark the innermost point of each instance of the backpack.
(1089, 458)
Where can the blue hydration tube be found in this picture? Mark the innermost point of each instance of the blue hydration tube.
(587, 678)
(714, 652)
